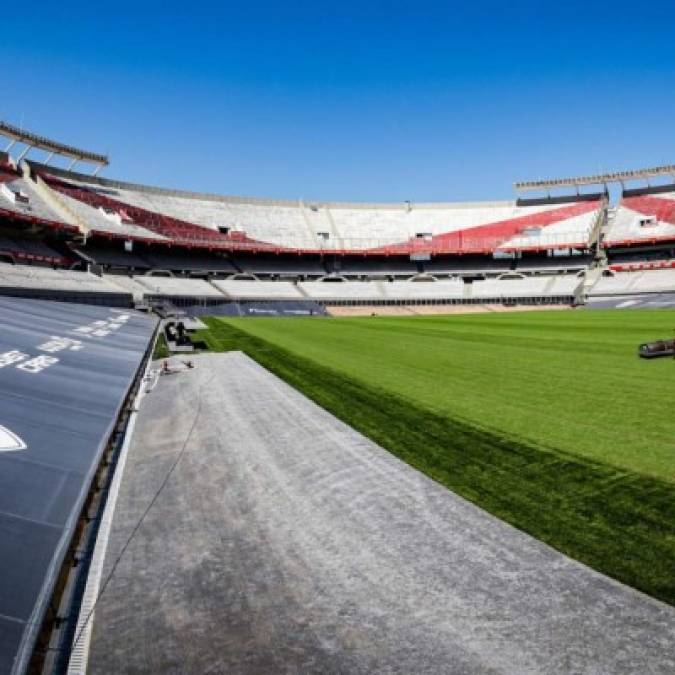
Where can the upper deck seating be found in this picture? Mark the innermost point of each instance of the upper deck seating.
(100, 219)
(571, 232)
(19, 197)
(237, 223)
(642, 220)
(133, 221)
(508, 228)
(264, 220)
(343, 226)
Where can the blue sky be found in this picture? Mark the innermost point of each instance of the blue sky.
(350, 101)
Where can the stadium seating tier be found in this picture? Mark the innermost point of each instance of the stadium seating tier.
(641, 220)
(233, 223)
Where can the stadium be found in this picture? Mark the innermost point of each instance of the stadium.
(130, 243)
(337, 338)
(255, 435)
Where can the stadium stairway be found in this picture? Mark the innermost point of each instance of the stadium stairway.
(333, 229)
(50, 197)
(549, 286)
(590, 279)
(302, 291)
(308, 225)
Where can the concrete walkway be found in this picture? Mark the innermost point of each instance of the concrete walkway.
(285, 542)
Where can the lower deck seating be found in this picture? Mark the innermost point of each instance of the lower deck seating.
(420, 289)
(626, 283)
(178, 287)
(45, 277)
(128, 284)
(550, 263)
(527, 287)
(343, 290)
(259, 290)
(67, 285)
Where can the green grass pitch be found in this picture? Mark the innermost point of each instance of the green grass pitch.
(549, 420)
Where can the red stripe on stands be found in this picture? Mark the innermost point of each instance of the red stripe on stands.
(662, 208)
(663, 239)
(664, 211)
(25, 218)
(642, 266)
(179, 231)
(7, 175)
(480, 239)
(491, 236)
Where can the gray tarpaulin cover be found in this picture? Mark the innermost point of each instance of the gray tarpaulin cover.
(65, 370)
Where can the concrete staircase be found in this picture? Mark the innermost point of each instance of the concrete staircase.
(53, 200)
(591, 277)
(333, 229)
(310, 229)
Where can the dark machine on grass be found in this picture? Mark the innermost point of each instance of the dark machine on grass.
(650, 350)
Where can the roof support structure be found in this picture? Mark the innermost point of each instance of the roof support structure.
(33, 141)
(598, 179)
(25, 151)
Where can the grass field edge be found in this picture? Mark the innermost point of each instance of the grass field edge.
(618, 522)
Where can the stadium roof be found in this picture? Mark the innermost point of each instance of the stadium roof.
(15, 134)
(597, 179)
